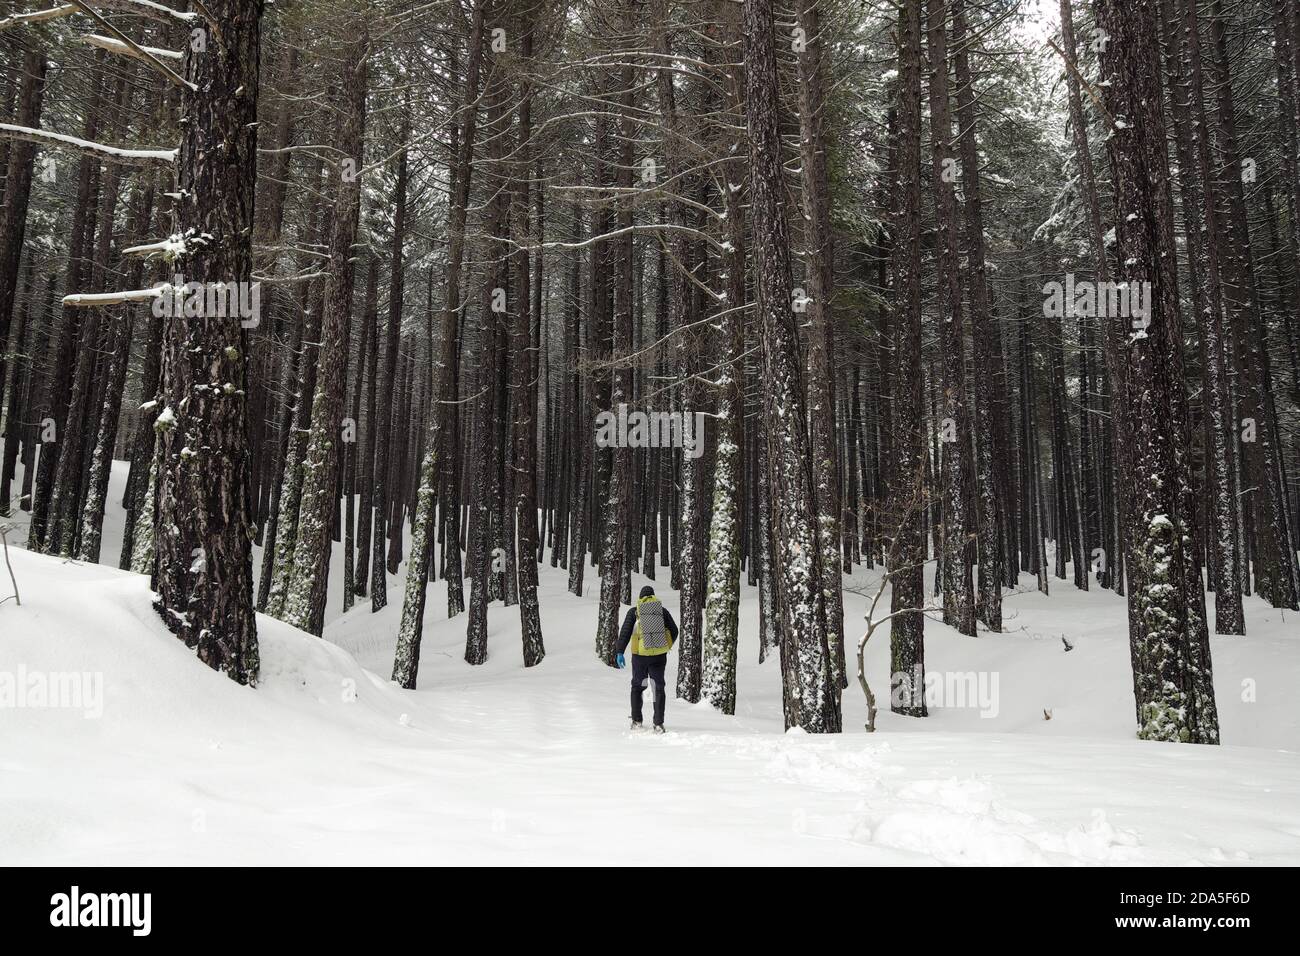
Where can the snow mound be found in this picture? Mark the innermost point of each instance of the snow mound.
(90, 619)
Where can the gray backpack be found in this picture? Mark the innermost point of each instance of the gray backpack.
(650, 626)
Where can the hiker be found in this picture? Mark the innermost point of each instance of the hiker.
(652, 632)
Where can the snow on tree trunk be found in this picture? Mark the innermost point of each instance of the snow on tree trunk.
(17, 190)
(383, 419)
(954, 424)
(142, 537)
(494, 304)
(1201, 186)
(304, 603)
(722, 570)
(988, 603)
(114, 373)
(907, 469)
(618, 503)
(522, 375)
(204, 540)
(1171, 664)
(821, 347)
(798, 548)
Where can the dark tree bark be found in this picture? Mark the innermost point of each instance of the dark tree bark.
(618, 510)
(906, 471)
(494, 303)
(523, 377)
(309, 576)
(958, 593)
(366, 475)
(350, 450)
(821, 346)
(383, 419)
(988, 602)
(16, 193)
(109, 412)
(1201, 192)
(1171, 665)
(794, 503)
(1275, 566)
(204, 531)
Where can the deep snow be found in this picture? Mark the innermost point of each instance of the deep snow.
(328, 762)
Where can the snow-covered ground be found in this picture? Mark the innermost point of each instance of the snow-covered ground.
(328, 762)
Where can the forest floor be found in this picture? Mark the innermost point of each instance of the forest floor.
(327, 762)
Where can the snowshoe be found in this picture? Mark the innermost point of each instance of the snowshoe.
(637, 725)
(659, 729)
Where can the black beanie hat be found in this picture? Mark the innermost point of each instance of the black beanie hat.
(647, 591)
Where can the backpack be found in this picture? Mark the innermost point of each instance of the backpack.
(650, 635)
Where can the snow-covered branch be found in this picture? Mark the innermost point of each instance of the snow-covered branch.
(117, 46)
(111, 154)
(143, 8)
(38, 16)
(95, 300)
(150, 9)
(171, 246)
(640, 229)
(138, 51)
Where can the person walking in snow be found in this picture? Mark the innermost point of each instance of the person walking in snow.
(652, 632)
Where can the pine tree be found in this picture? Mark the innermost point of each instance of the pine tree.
(798, 553)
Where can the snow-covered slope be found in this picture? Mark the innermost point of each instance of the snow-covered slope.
(327, 762)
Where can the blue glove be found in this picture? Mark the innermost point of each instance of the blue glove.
(619, 660)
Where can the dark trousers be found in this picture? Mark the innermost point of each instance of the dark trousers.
(652, 668)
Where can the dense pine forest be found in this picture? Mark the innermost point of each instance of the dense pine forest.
(719, 294)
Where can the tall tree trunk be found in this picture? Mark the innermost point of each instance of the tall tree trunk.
(958, 596)
(988, 602)
(523, 377)
(821, 347)
(109, 412)
(304, 605)
(722, 569)
(798, 552)
(350, 450)
(494, 304)
(1275, 569)
(383, 420)
(1175, 695)
(17, 191)
(204, 574)
(1202, 193)
(906, 473)
(618, 505)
